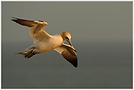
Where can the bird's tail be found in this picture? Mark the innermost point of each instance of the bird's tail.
(29, 52)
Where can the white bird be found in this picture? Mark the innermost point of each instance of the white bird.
(44, 42)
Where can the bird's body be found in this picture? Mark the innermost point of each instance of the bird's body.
(44, 42)
(48, 44)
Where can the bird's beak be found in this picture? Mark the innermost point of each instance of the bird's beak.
(69, 41)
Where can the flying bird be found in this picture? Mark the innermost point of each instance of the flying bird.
(44, 42)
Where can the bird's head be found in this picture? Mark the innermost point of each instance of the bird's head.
(66, 36)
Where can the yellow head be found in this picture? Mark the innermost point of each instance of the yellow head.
(66, 36)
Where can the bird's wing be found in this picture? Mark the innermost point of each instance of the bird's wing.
(28, 23)
(36, 28)
(69, 53)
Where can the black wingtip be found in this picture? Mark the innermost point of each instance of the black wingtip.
(75, 65)
(74, 62)
(14, 19)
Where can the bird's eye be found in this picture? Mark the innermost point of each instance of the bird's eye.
(67, 38)
(40, 20)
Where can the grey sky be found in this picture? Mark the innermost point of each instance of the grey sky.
(86, 21)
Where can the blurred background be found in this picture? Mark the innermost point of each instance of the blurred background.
(101, 33)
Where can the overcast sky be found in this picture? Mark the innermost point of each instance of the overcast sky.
(86, 21)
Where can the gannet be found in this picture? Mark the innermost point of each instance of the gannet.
(44, 42)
